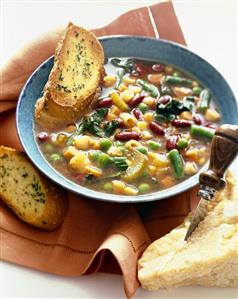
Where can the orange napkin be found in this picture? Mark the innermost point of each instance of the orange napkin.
(95, 235)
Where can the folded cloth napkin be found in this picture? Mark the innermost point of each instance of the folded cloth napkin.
(95, 235)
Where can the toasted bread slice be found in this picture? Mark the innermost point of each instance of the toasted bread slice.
(74, 80)
(208, 258)
(32, 197)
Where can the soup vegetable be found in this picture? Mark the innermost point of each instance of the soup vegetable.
(150, 129)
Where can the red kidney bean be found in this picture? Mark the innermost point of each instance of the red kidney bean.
(171, 142)
(127, 135)
(137, 113)
(165, 99)
(121, 123)
(197, 119)
(141, 69)
(158, 68)
(104, 103)
(43, 136)
(183, 123)
(157, 129)
(136, 100)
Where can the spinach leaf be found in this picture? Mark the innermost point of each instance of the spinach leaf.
(172, 108)
(127, 64)
(110, 127)
(92, 123)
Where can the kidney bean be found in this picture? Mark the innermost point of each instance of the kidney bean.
(158, 68)
(171, 142)
(121, 123)
(157, 129)
(104, 103)
(137, 113)
(127, 135)
(140, 69)
(136, 101)
(183, 123)
(43, 136)
(165, 99)
(197, 119)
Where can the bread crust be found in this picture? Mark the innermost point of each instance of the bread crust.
(74, 81)
(47, 215)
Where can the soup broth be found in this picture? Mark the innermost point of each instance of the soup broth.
(150, 129)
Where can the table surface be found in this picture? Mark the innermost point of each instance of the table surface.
(210, 30)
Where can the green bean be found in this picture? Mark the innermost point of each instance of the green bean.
(144, 188)
(120, 73)
(177, 163)
(153, 145)
(105, 144)
(150, 88)
(143, 107)
(178, 81)
(205, 97)
(201, 131)
(182, 143)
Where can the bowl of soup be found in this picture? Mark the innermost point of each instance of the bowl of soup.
(147, 136)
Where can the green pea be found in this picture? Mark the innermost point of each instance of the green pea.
(143, 107)
(55, 157)
(104, 160)
(94, 155)
(177, 74)
(108, 187)
(144, 188)
(105, 144)
(48, 147)
(153, 145)
(142, 150)
(197, 90)
(182, 143)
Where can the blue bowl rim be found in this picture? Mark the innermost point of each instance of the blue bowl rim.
(89, 193)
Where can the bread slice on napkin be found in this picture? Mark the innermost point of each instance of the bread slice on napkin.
(31, 197)
(73, 82)
(208, 258)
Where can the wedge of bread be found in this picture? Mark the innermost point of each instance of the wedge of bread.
(32, 197)
(73, 83)
(208, 258)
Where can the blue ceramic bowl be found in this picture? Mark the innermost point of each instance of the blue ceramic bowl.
(125, 46)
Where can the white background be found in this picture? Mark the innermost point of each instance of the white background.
(210, 29)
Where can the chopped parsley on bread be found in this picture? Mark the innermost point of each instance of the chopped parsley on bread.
(73, 83)
(208, 258)
(33, 198)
